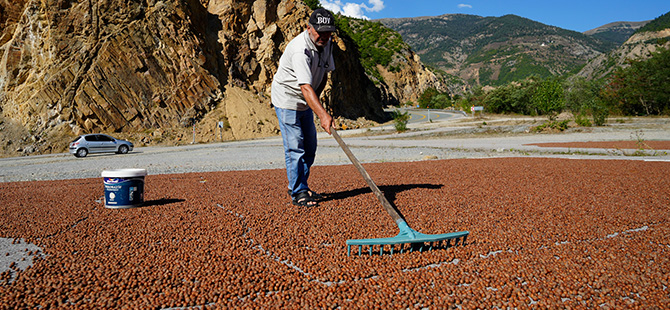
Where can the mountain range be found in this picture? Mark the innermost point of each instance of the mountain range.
(617, 32)
(471, 50)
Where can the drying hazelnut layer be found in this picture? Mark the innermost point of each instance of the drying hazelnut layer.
(544, 233)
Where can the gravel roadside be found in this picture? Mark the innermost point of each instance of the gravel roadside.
(457, 138)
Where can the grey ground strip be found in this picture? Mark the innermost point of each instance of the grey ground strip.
(17, 255)
(458, 137)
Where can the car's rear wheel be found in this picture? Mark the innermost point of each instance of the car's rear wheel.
(123, 149)
(81, 152)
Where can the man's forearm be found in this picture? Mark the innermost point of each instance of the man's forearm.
(313, 100)
(316, 106)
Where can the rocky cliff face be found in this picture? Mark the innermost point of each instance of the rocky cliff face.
(150, 69)
(409, 80)
(107, 66)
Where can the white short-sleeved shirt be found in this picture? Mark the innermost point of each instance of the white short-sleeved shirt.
(301, 63)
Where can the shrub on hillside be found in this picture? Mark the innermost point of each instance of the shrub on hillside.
(642, 88)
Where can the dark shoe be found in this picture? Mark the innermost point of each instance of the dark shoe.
(304, 199)
(315, 195)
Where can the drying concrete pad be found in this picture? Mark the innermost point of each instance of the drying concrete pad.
(544, 232)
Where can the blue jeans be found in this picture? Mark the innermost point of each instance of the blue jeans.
(299, 136)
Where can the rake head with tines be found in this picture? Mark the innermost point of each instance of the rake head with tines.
(407, 235)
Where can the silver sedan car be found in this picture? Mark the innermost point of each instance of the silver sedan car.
(98, 143)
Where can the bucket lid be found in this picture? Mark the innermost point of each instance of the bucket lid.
(124, 173)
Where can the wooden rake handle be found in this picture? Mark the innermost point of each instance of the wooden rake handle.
(385, 203)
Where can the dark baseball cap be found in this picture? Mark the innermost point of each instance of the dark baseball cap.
(322, 20)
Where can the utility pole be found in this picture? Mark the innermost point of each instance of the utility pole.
(221, 129)
(193, 121)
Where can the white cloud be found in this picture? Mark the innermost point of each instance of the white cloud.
(377, 5)
(464, 6)
(351, 9)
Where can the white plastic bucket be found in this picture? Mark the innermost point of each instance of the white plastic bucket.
(124, 188)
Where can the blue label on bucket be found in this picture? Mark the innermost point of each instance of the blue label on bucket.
(124, 192)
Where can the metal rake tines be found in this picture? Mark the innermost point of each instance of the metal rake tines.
(407, 235)
(390, 246)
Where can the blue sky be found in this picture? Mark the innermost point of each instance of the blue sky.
(568, 14)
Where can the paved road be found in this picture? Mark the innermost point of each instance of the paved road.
(426, 141)
(427, 115)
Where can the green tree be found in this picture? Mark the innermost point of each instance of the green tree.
(474, 98)
(500, 100)
(600, 111)
(660, 23)
(579, 94)
(440, 101)
(400, 120)
(313, 4)
(583, 97)
(427, 96)
(511, 98)
(643, 88)
(504, 99)
(548, 98)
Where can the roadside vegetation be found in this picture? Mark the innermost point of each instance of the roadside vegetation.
(642, 88)
(400, 120)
